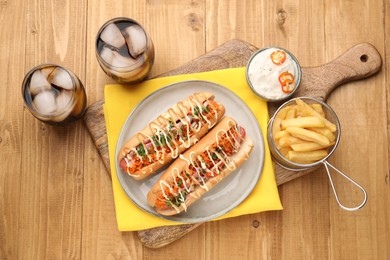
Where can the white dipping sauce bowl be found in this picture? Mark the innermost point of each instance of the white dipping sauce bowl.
(262, 74)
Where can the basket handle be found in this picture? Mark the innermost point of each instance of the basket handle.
(327, 165)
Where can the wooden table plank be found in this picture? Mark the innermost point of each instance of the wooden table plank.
(12, 59)
(171, 25)
(385, 236)
(183, 24)
(51, 175)
(277, 23)
(227, 20)
(364, 142)
(298, 26)
(101, 238)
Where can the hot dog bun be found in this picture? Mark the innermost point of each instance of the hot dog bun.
(177, 115)
(182, 163)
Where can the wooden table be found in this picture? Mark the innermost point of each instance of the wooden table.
(56, 198)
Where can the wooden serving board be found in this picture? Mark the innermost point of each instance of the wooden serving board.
(359, 62)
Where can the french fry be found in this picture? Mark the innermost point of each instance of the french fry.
(308, 110)
(288, 141)
(310, 121)
(283, 112)
(308, 146)
(281, 134)
(291, 113)
(307, 157)
(307, 135)
(318, 108)
(324, 131)
(278, 119)
(284, 151)
(276, 126)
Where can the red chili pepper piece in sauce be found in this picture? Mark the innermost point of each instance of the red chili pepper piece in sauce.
(287, 81)
(286, 77)
(289, 87)
(278, 57)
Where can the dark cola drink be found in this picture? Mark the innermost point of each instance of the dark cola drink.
(53, 94)
(124, 50)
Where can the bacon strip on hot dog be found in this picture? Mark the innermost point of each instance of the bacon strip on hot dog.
(200, 168)
(169, 135)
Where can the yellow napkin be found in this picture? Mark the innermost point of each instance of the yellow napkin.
(120, 101)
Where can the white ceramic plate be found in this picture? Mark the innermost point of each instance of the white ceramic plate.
(231, 191)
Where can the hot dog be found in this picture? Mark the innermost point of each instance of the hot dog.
(200, 168)
(169, 135)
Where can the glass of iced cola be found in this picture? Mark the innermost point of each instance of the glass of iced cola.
(53, 94)
(124, 50)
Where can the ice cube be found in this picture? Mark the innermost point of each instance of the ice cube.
(45, 102)
(135, 39)
(61, 78)
(121, 61)
(38, 83)
(135, 74)
(107, 54)
(112, 36)
(63, 100)
(115, 59)
(47, 71)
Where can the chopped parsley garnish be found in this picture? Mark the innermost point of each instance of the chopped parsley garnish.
(214, 156)
(175, 200)
(205, 109)
(182, 196)
(196, 110)
(180, 182)
(155, 141)
(162, 140)
(141, 150)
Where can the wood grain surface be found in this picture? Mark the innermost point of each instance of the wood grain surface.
(55, 197)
